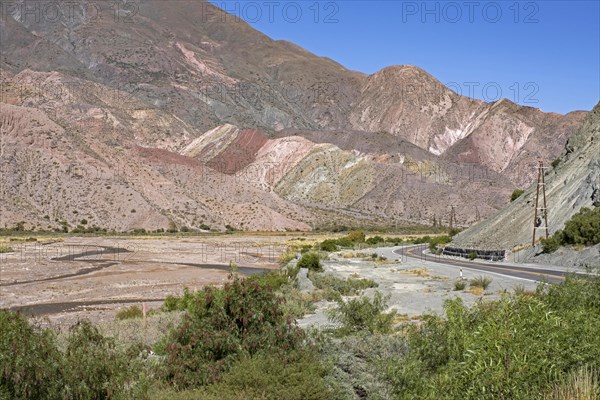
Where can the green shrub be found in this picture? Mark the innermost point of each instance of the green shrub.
(347, 287)
(516, 194)
(344, 242)
(472, 255)
(129, 313)
(91, 367)
(436, 241)
(551, 244)
(582, 229)
(422, 239)
(514, 348)
(95, 367)
(222, 326)
(481, 282)
(6, 249)
(310, 261)
(362, 314)
(555, 163)
(460, 285)
(328, 245)
(296, 375)
(375, 240)
(356, 236)
(30, 363)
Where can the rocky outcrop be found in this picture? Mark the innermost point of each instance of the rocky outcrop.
(571, 185)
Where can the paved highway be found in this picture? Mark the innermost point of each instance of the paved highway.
(534, 274)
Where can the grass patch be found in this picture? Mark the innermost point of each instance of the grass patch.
(420, 272)
(480, 282)
(460, 285)
(477, 291)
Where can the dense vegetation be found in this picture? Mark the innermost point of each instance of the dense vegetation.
(582, 229)
(241, 341)
(520, 347)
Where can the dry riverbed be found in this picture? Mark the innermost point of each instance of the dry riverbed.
(64, 281)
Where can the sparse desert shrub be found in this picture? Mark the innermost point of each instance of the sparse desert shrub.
(472, 255)
(362, 314)
(516, 194)
(481, 282)
(310, 261)
(555, 163)
(288, 255)
(460, 285)
(5, 249)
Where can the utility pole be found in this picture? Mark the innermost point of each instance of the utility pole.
(540, 217)
(452, 217)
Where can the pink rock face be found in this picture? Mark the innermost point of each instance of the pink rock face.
(165, 119)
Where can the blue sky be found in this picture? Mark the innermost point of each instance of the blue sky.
(543, 54)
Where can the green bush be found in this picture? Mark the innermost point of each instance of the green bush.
(375, 240)
(347, 287)
(344, 242)
(472, 255)
(222, 326)
(551, 244)
(91, 367)
(310, 261)
(582, 229)
(356, 236)
(296, 375)
(436, 241)
(515, 348)
(95, 367)
(460, 285)
(328, 245)
(6, 249)
(30, 363)
(516, 194)
(129, 312)
(362, 314)
(481, 282)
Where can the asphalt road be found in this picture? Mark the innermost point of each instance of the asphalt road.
(534, 274)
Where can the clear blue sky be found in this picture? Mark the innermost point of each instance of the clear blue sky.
(543, 54)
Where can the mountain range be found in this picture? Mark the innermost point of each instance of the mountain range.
(167, 114)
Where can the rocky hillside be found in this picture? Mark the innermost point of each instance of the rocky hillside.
(573, 184)
(174, 112)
